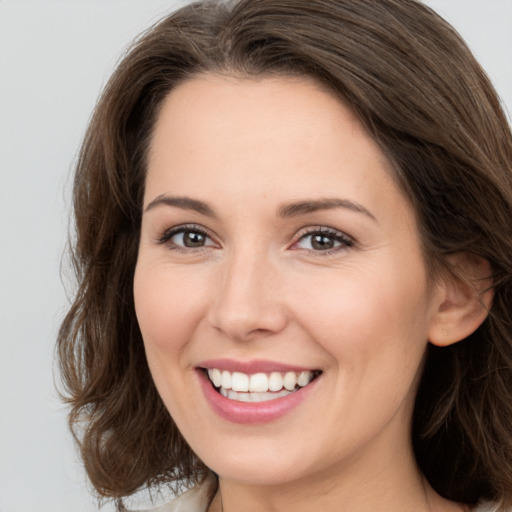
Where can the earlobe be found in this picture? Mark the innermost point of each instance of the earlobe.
(462, 300)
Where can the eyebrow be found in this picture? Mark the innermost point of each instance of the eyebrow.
(309, 206)
(287, 210)
(185, 203)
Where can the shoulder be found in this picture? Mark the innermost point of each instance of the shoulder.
(196, 499)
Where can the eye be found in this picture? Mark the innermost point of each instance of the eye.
(187, 237)
(323, 240)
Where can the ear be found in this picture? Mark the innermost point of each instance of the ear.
(462, 300)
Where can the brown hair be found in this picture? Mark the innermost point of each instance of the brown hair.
(423, 97)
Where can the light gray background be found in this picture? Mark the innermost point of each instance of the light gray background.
(54, 58)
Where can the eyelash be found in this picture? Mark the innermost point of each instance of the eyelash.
(189, 228)
(344, 240)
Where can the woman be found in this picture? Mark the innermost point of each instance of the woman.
(294, 256)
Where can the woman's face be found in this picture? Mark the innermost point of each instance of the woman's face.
(277, 252)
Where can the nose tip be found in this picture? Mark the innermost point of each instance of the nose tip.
(241, 327)
(248, 304)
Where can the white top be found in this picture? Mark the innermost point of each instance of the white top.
(196, 499)
(199, 497)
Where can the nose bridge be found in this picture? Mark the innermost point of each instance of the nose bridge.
(247, 303)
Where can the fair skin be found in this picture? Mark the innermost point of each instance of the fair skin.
(335, 285)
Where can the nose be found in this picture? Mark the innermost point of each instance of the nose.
(249, 303)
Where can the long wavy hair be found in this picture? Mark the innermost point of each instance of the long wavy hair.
(421, 95)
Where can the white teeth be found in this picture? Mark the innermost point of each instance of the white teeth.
(258, 383)
(239, 382)
(304, 378)
(257, 387)
(216, 377)
(254, 397)
(275, 381)
(226, 380)
(290, 381)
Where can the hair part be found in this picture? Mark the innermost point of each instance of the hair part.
(421, 95)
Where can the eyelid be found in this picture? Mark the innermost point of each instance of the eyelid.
(346, 240)
(168, 233)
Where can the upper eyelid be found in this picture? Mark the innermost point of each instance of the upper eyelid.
(346, 241)
(301, 233)
(168, 233)
(315, 229)
(322, 229)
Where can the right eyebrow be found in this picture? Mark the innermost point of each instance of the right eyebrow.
(313, 205)
(183, 202)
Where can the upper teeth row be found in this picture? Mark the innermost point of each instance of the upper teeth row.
(259, 382)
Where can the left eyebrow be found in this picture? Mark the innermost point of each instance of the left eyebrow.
(309, 206)
(183, 202)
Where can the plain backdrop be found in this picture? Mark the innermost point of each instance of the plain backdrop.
(55, 56)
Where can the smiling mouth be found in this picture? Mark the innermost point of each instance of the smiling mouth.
(258, 387)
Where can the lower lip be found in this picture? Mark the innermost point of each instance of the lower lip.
(252, 412)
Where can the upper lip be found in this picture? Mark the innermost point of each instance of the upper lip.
(251, 367)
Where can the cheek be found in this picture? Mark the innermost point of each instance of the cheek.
(374, 319)
(168, 310)
(375, 334)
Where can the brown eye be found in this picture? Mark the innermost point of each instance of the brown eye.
(191, 239)
(323, 240)
(186, 238)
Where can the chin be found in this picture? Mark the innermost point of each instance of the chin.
(267, 462)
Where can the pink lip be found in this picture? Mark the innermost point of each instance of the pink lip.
(252, 412)
(250, 367)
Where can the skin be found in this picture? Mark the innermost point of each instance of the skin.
(362, 313)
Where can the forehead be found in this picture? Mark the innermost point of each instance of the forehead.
(267, 136)
(269, 110)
